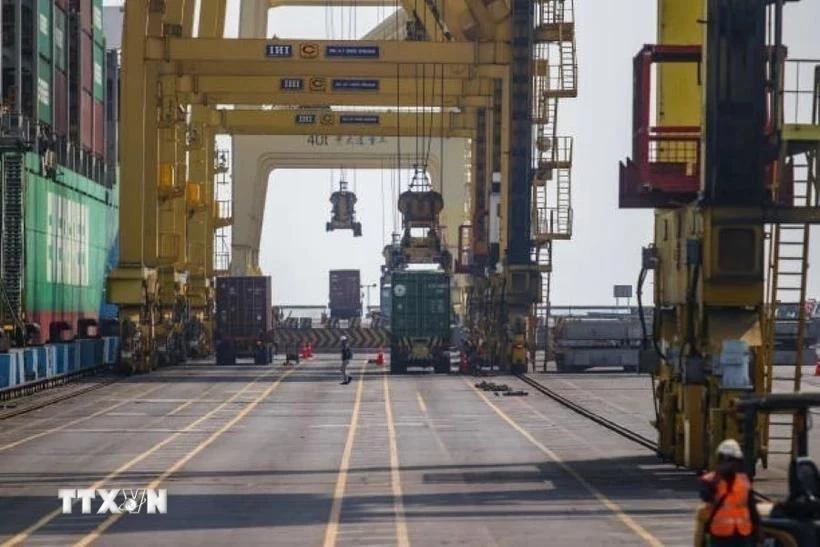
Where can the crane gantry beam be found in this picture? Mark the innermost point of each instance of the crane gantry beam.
(327, 122)
(267, 90)
(243, 56)
(428, 85)
(331, 99)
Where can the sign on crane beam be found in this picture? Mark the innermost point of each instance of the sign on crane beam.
(292, 84)
(366, 52)
(347, 84)
(357, 119)
(278, 50)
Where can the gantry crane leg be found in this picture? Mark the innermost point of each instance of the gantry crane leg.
(201, 216)
(133, 285)
(709, 276)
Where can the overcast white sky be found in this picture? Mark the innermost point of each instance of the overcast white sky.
(605, 249)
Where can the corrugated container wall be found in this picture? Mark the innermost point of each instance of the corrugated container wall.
(86, 61)
(421, 304)
(99, 128)
(97, 16)
(243, 306)
(86, 14)
(69, 228)
(86, 121)
(45, 110)
(99, 98)
(44, 28)
(60, 103)
(112, 96)
(59, 37)
(345, 297)
(99, 72)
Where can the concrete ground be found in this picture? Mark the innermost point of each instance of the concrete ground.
(266, 455)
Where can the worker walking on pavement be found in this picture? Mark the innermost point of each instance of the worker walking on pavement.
(733, 517)
(347, 355)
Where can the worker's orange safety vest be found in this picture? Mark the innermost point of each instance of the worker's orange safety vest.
(733, 516)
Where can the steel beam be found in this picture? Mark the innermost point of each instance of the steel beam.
(422, 85)
(331, 99)
(337, 91)
(240, 54)
(320, 69)
(324, 122)
(431, 21)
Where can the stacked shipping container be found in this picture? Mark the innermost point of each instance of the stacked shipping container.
(54, 72)
(62, 215)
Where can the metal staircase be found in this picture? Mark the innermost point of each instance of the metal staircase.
(555, 78)
(786, 288)
(788, 249)
(222, 213)
(11, 239)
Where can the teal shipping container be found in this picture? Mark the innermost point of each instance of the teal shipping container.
(420, 320)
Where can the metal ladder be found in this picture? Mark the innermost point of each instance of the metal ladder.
(12, 246)
(787, 270)
(564, 200)
(568, 66)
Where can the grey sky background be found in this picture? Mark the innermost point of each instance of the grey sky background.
(605, 249)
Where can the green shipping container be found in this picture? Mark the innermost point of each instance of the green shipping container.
(99, 72)
(44, 104)
(44, 26)
(420, 320)
(70, 227)
(97, 22)
(59, 38)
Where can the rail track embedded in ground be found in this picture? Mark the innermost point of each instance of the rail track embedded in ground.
(17, 392)
(585, 412)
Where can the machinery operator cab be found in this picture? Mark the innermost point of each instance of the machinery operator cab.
(343, 214)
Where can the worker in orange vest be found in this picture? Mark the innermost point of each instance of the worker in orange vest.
(733, 519)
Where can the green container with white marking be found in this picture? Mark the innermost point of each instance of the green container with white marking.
(420, 320)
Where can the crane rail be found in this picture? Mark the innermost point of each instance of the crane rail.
(589, 414)
(13, 393)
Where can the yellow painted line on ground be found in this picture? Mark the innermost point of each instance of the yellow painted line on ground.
(180, 408)
(78, 420)
(22, 536)
(332, 529)
(189, 402)
(420, 399)
(639, 530)
(395, 475)
(107, 523)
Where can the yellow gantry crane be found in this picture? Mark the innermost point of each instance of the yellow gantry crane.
(716, 163)
(483, 56)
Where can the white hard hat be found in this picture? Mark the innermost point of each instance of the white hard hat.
(730, 449)
(344, 338)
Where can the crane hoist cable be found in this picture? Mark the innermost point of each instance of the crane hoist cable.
(381, 195)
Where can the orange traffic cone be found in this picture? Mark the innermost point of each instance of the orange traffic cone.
(309, 350)
(304, 351)
(380, 357)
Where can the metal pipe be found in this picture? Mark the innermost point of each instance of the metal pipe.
(18, 50)
(777, 87)
(2, 91)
